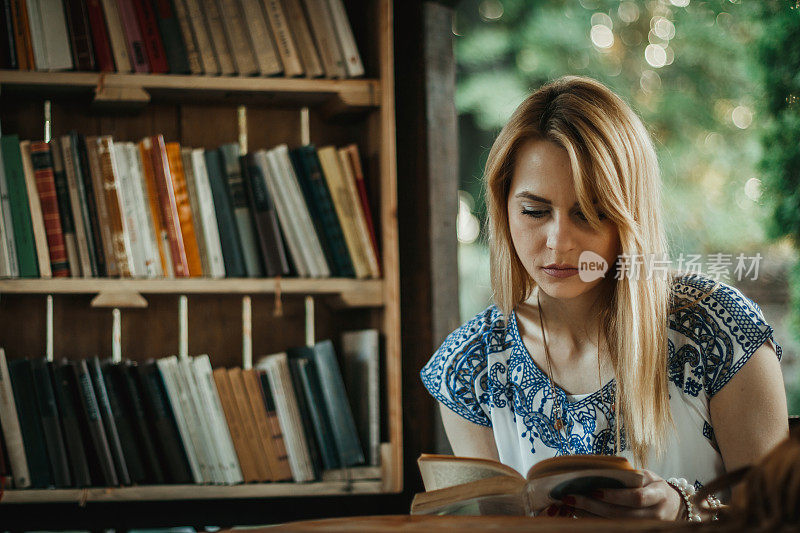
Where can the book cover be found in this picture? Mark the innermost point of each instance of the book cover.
(263, 209)
(205, 49)
(184, 210)
(261, 39)
(298, 28)
(14, 178)
(156, 217)
(366, 238)
(132, 227)
(137, 50)
(194, 204)
(109, 420)
(66, 397)
(141, 202)
(169, 207)
(80, 35)
(101, 223)
(42, 162)
(347, 42)
(65, 209)
(238, 38)
(8, 48)
(12, 432)
(30, 423)
(100, 38)
(321, 19)
(248, 419)
(244, 218)
(40, 58)
(338, 406)
(283, 470)
(217, 35)
(223, 208)
(362, 378)
(98, 450)
(174, 46)
(6, 257)
(51, 423)
(9, 244)
(252, 386)
(37, 216)
(22, 35)
(350, 155)
(115, 207)
(55, 35)
(79, 207)
(235, 425)
(208, 214)
(153, 45)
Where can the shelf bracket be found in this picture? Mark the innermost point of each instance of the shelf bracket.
(128, 95)
(119, 299)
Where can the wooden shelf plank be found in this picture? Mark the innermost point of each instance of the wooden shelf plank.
(354, 293)
(191, 492)
(347, 94)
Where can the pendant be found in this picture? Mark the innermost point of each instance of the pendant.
(558, 424)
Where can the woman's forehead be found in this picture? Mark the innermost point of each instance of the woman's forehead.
(542, 168)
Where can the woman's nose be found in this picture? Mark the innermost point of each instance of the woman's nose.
(559, 234)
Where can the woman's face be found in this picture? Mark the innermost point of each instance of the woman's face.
(547, 225)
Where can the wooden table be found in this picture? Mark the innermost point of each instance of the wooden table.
(505, 524)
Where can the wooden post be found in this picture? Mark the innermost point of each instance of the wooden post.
(247, 333)
(310, 334)
(183, 327)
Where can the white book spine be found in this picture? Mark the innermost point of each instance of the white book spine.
(11, 429)
(116, 36)
(8, 234)
(360, 351)
(206, 413)
(147, 232)
(269, 167)
(37, 34)
(180, 419)
(305, 224)
(205, 201)
(130, 224)
(56, 38)
(127, 246)
(344, 34)
(222, 431)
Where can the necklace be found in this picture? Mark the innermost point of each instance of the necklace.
(559, 423)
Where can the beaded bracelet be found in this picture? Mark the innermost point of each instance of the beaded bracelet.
(686, 491)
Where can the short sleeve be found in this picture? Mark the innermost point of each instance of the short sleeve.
(457, 370)
(735, 328)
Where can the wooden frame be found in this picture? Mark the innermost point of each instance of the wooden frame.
(170, 105)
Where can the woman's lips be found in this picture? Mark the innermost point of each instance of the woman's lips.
(561, 272)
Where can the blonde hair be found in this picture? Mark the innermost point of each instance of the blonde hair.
(613, 161)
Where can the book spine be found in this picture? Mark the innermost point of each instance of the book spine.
(51, 424)
(361, 354)
(55, 35)
(9, 45)
(184, 209)
(250, 430)
(354, 159)
(243, 452)
(22, 35)
(192, 51)
(36, 34)
(66, 394)
(255, 398)
(228, 232)
(106, 221)
(116, 36)
(64, 209)
(283, 471)
(141, 205)
(78, 208)
(306, 420)
(42, 161)
(8, 221)
(238, 38)
(12, 432)
(92, 206)
(37, 217)
(151, 192)
(148, 24)
(287, 49)
(22, 223)
(100, 38)
(133, 36)
(132, 228)
(298, 24)
(205, 203)
(97, 433)
(5, 262)
(319, 16)
(217, 37)
(244, 218)
(344, 34)
(260, 38)
(80, 35)
(109, 422)
(169, 208)
(194, 203)
(197, 23)
(318, 416)
(367, 245)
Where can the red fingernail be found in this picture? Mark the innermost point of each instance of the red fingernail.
(596, 494)
(569, 500)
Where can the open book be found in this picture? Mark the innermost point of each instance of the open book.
(465, 485)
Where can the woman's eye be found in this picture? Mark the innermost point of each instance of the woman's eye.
(535, 213)
(581, 216)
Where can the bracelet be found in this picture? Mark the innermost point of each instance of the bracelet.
(686, 491)
(714, 505)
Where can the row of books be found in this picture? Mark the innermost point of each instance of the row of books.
(178, 421)
(310, 38)
(92, 207)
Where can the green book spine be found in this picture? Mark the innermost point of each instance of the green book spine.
(20, 212)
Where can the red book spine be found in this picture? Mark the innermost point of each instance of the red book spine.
(102, 46)
(169, 207)
(80, 35)
(148, 24)
(133, 36)
(42, 162)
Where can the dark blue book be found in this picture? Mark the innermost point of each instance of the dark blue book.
(67, 398)
(51, 423)
(109, 421)
(30, 423)
(226, 221)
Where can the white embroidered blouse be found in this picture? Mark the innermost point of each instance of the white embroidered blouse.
(484, 373)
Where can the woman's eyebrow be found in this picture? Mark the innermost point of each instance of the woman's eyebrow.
(535, 198)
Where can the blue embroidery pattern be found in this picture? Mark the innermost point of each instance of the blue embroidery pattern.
(721, 332)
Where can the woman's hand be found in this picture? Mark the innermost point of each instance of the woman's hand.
(655, 499)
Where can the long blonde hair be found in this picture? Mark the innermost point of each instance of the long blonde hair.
(613, 161)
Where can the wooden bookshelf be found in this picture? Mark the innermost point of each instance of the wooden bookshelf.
(201, 111)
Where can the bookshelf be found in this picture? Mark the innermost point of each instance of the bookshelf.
(201, 111)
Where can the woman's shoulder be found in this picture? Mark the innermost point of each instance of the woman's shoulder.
(715, 329)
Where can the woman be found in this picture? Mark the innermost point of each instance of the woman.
(689, 364)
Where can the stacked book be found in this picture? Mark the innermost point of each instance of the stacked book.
(292, 38)
(92, 423)
(92, 207)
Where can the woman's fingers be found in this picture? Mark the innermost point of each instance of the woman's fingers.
(646, 496)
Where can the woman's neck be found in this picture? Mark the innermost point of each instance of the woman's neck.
(575, 320)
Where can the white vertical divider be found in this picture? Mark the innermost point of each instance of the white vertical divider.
(48, 121)
(183, 327)
(247, 333)
(49, 329)
(116, 336)
(310, 334)
(305, 126)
